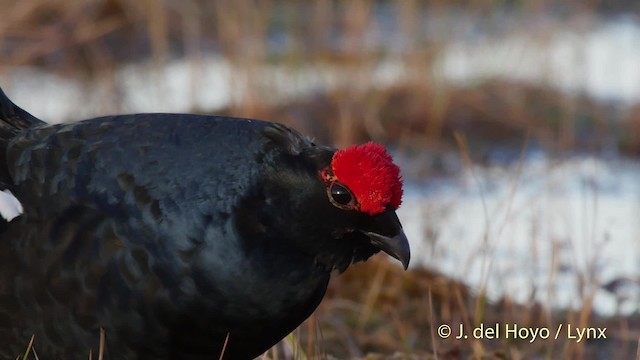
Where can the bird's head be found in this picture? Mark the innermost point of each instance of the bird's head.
(364, 187)
(336, 206)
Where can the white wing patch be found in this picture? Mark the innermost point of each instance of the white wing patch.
(10, 206)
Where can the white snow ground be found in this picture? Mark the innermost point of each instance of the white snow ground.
(553, 231)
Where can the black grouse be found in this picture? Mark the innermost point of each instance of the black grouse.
(173, 233)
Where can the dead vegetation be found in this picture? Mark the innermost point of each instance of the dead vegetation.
(374, 310)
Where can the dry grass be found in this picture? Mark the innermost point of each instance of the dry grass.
(366, 313)
(374, 308)
(92, 39)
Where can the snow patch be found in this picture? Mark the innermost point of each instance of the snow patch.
(10, 206)
(555, 231)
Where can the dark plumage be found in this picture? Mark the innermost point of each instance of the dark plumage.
(171, 231)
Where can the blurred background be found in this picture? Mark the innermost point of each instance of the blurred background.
(516, 125)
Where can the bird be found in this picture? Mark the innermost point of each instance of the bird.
(178, 236)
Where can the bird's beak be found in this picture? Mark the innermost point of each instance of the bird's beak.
(397, 246)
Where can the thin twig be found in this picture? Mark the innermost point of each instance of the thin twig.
(433, 330)
(26, 353)
(102, 342)
(224, 347)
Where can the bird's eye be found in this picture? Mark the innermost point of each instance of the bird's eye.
(341, 196)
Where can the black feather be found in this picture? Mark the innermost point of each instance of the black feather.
(168, 231)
